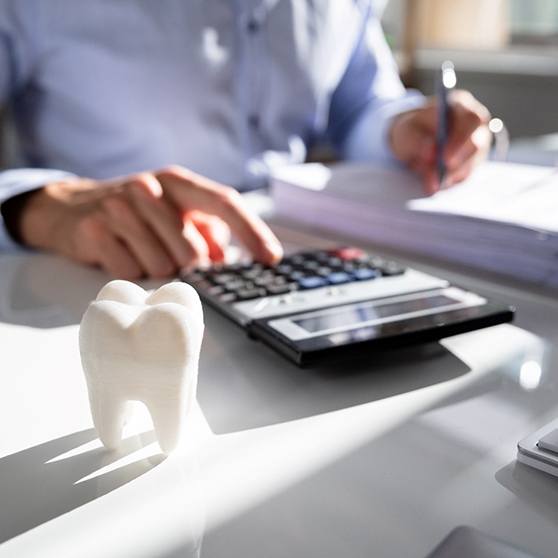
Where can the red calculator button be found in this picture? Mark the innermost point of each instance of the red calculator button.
(349, 253)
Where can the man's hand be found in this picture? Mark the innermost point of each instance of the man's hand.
(147, 224)
(413, 139)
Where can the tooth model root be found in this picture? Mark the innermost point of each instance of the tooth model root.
(144, 347)
(109, 414)
(167, 423)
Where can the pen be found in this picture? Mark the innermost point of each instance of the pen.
(446, 82)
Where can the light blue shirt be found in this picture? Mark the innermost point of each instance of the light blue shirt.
(229, 89)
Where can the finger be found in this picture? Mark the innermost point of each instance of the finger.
(470, 156)
(142, 242)
(477, 146)
(463, 171)
(193, 192)
(428, 174)
(466, 151)
(467, 116)
(164, 219)
(430, 181)
(216, 233)
(426, 117)
(198, 244)
(98, 245)
(411, 138)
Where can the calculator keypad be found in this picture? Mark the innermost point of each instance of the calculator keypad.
(301, 271)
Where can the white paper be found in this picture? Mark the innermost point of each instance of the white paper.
(522, 195)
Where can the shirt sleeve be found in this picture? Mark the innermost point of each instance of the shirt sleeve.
(16, 61)
(368, 97)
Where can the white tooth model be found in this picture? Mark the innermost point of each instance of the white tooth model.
(137, 346)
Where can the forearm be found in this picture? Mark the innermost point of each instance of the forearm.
(368, 138)
(368, 98)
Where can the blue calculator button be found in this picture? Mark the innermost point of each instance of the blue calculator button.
(312, 282)
(338, 277)
(364, 274)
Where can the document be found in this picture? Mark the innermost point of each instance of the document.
(503, 218)
(522, 195)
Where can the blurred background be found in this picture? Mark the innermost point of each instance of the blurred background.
(505, 52)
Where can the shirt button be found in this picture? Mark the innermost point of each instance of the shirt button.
(254, 121)
(253, 25)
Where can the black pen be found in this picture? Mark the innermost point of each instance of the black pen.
(446, 82)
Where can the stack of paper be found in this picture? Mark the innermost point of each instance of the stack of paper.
(504, 218)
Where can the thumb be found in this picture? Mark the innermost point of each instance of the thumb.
(413, 143)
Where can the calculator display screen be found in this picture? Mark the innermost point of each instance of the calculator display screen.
(369, 312)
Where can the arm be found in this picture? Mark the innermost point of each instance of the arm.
(16, 57)
(368, 98)
(373, 118)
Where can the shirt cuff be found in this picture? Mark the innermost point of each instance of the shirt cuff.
(17, 181)
(368, 140)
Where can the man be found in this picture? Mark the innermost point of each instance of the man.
(176, 99)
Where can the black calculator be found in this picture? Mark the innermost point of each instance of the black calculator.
(320, 305)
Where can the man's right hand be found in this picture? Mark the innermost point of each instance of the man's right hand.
(152, 224)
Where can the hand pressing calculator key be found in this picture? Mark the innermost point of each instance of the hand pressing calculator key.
(323, 304)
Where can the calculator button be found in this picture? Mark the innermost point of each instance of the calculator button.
(312, 282)
(376, 261)
(278, 280)
(284, 269)
(295, 260)
(392, 268)
(349, 253)
(264, 280)
(222, 278)
(349, 267)
(249, 294)
(324, 271)
(322, 256)
(278, 289)
(338, 278)
(250, 274)
(334, 262)
(297, 275)
(235, 285)
(227, 298)
(215, 290)
(365, 274)
(310, 265)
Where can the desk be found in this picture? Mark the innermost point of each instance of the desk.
(381, 459)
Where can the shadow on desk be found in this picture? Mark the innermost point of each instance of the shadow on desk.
(37, 487)
(244, 384)
(538, 489)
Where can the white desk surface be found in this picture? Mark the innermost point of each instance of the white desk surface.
(379, 459)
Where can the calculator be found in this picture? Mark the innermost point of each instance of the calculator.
(318, 305)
